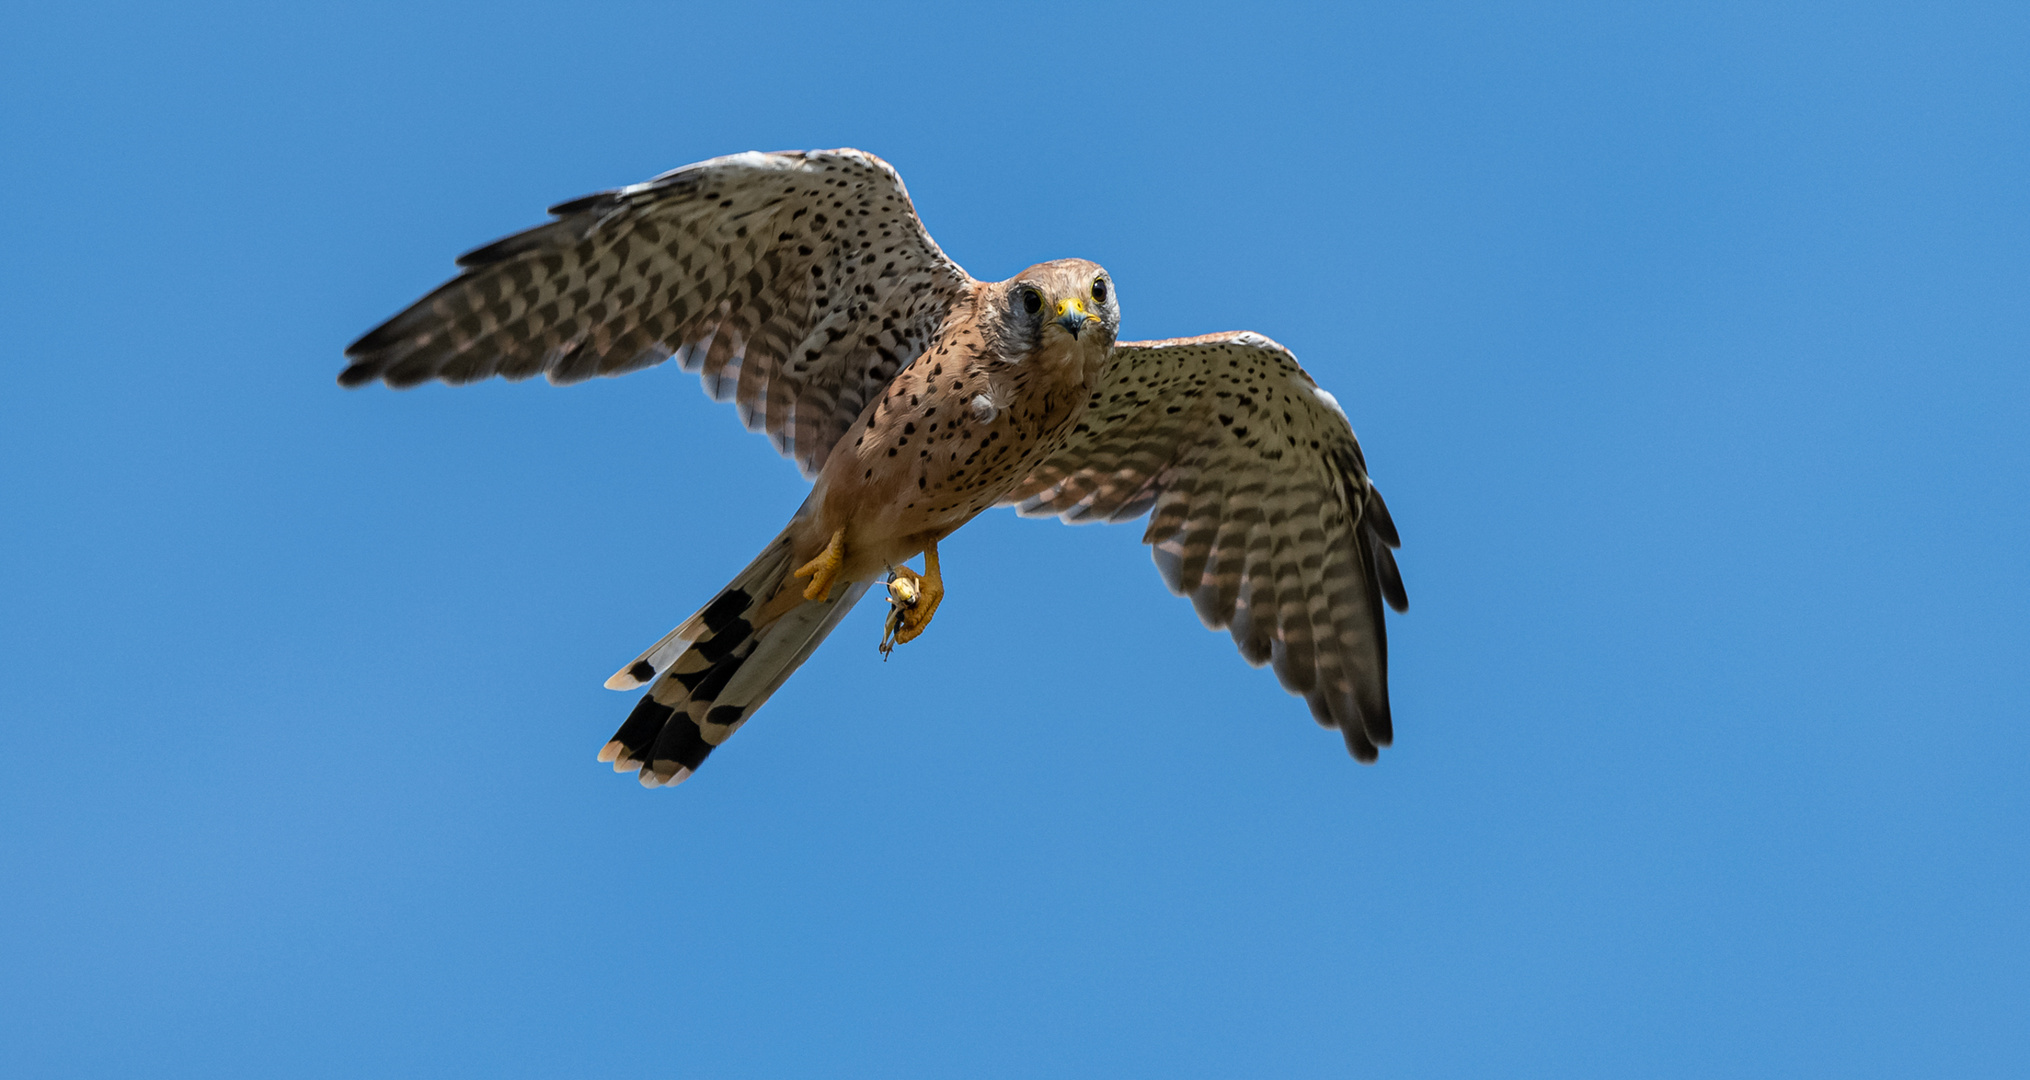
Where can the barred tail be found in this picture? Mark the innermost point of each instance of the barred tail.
(726, 668)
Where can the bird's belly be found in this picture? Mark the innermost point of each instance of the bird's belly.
(894, 505)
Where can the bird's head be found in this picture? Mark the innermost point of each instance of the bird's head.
(1064, 308)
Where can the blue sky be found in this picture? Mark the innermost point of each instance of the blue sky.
(1688, 343)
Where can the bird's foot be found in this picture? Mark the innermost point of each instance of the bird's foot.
(823, 569)
(912, 600)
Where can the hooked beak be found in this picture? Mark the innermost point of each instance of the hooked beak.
(1071, 315)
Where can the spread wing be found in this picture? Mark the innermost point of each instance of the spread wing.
(796, 284)
(1262, 511)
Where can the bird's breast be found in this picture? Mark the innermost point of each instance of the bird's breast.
(950, 436)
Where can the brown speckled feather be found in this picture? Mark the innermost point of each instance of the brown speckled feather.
(796, 284)
(1260, 511)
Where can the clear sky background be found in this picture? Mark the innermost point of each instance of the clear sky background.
(1690, 345)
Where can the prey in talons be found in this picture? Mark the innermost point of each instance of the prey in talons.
(912, 600)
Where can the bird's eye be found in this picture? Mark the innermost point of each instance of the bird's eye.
(1032, 301)
(1100, 290)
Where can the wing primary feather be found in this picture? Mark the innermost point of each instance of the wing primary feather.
(1388, 577)
(1376, 513)
(725, 265)
(1261, 512)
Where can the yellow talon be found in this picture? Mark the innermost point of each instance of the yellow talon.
(824, 568)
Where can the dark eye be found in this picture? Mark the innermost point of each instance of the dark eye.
(1032, 301)
(1100, 289)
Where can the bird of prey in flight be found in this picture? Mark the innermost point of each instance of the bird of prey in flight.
(803, 287)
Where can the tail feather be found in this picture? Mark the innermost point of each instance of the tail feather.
(727, 668)
(827, 618)
(770, 566)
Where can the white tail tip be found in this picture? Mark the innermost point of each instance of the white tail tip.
(653, 778)
(638, 674)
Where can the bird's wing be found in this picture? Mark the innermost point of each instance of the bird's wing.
(796, 284)
(1262, 511)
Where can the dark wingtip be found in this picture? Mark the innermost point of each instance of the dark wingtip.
(1378, 519)
(1379, 728)
(1358, 745)
(356, 376)
(582, 202)
(489, 253)
(1391, 580)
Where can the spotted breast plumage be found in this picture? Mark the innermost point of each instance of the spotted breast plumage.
(803, 287)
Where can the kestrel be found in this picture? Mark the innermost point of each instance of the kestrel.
(803, 287)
